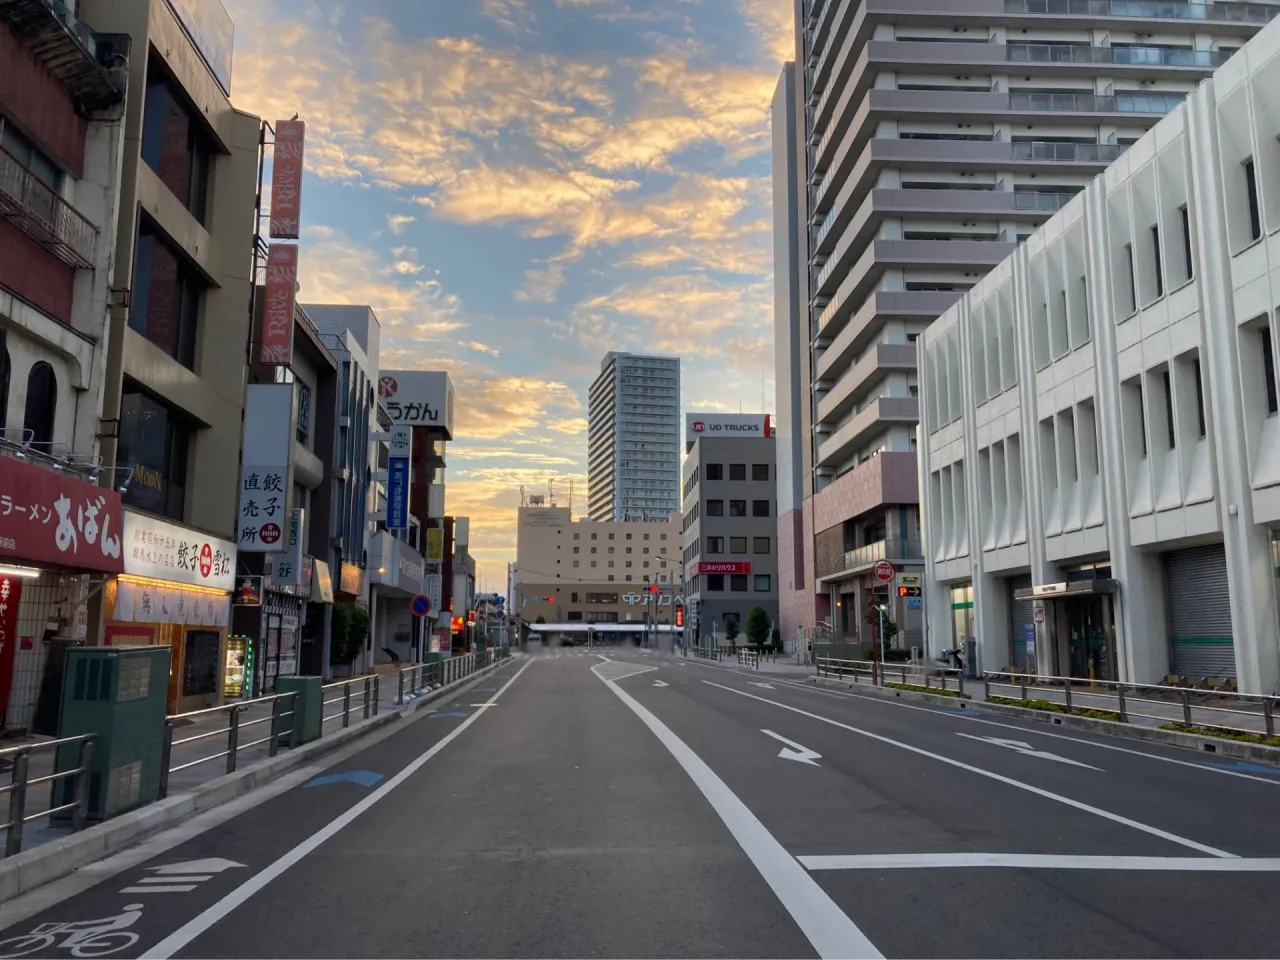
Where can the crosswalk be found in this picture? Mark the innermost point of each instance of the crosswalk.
(594, 653)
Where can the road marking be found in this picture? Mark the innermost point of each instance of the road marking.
(757, 683)
(365, 778)
(1047, 794)
(193, 928)
(660, 683)
(794, 751)
(1244, 765)
(1039, 861)
(610, 670)
(210, 865)
(828, 929)
(449, 713)
(1026, 749)
(180, 877)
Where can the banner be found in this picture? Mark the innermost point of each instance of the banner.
(48, 517)
(286, 179)
(278, 302)
(10, 594)
(398, 477)
(265, 488)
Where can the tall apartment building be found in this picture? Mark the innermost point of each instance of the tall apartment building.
(633, 439)
(930, 138)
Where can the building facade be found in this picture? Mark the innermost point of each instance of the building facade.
(930, 139)
(633, 439)
(1100, 441)
(729, 528)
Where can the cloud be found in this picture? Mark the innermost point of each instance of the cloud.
(498, 406)
(398, 221)
(542, 286)
(480, 347)
(773, 21)
(572, 425)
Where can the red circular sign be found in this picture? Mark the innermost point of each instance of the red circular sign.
(387, 387)
(698, 426)
(206, 560)
(883, 571)
(270, 533)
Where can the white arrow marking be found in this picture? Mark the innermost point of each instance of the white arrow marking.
(757, 683)
(181, 877)
(1027, 750)
(212, 865)
(659, 683)
(794, 751)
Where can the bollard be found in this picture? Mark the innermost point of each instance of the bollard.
(1066, 690)
(904, 674)
(1023, 684)
(986, 687)
(233, 739)
(17, 805)
(400, 696)
(346, 704)
(367, 685)
(1269, 716)
(376, 694)
(166, 749)
(1120, 694)
(82, 785)
(1186, 706)
(273, 744)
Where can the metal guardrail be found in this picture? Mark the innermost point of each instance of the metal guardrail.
(412, 680)
(231, 731)
(368, 704)
(1243, 712)
(18, 783)
(918, 674)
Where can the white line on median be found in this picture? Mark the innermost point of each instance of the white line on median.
(1047, 794)
(828, 929)
(193, 928)
(1039, 861)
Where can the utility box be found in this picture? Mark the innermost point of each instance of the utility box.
(308, 706)
(119, 694)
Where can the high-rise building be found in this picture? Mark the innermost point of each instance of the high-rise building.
(633, 439)
(930, 138)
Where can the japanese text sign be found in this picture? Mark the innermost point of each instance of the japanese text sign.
(286, 567)
(10, 594)
(48, 517)
(286, 179)
(398, 477)
(278, 302)
(265, 487)
(419, 398)
(166, 551)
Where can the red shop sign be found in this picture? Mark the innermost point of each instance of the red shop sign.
(10, 594)
(48, 517)
(744, 567)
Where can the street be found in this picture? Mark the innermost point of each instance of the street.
(633, 804)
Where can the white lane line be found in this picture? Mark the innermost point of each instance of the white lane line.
(1047, 794)
(829, 930)
(193, 928)
(172, 888)
(1039, 861)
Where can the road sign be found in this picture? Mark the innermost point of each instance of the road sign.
(420, 606)
(883, 571)
(909, 580)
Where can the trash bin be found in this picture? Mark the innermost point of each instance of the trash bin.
(308, 706)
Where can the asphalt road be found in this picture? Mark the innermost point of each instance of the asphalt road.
(647, 806)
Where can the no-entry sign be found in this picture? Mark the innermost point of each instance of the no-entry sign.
(883, 571)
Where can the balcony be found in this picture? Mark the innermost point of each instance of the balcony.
(858, 429)
(1129, 56)
(855, 382)
(1154, 103)
(1255, 13)
(895, 551)
(1102, 153)
(36, 209)
(91, 66)
(879, 308)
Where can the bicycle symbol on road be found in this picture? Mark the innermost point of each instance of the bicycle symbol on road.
(85, 938)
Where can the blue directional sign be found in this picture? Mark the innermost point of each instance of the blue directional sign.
(398, 478)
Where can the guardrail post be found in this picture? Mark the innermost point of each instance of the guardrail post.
(274, 743)
(166, 751)
(986, 687)
(904, 674)
(1269, 715)
(960, 681)
(1023, 685)
(1066, 691)
(400, 696)
(377, 695)
(233, 739)
(1186, 706)
(346, 703)
(295, 732)
(82, 785)
(1120, 694)
(365, 705)
(17, 805)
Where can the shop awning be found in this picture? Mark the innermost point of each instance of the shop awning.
(1072, 588)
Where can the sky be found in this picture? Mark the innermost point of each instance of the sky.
(519, 186)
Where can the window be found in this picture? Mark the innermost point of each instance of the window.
(646, 549)
(615, 616)
(763, 583)
(646, 564)
(174, 143)
(1268, 367)
(737, 544)
(1155, 252)
(41, 406)
(573, 598)
(576, 562)
(760, 508)
(646, 536)
(593, 563)
(662, 536)
(1251, 196)
(662, 549)
(577, 536)
(738, 582)
(760, 545)
(737, 471)
(5, 370)
(611, 536)
(577, 549)
(1195, 365)
(759, 471)
(611, 563)
(154, 441)
(737, 508)
(715, 544)
(715, 471)
(715, 508)
(1186, 240)
(1168, 408)
(715, 581)
(593, 549)
(593, 536)
(628, 549)
(574, 616)
(1142, 418)
(166, 296)
(628, 576)
(628, 536)
(611, 549)
(304, 412)
(628, 563)
(1131, 283)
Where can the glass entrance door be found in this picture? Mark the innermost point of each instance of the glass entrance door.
(1091, 637)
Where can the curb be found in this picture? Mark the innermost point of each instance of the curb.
(25, 871)
(1218, 746)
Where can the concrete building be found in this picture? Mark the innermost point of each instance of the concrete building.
(1100, 435)
(929, 139)
(633, 439)
(730, 525)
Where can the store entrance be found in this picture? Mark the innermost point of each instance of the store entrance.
(1089, 626)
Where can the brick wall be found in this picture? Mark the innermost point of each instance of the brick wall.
(40, 104)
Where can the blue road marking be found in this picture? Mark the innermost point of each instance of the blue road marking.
(437, 716)
(1243, 766)
(366, 778)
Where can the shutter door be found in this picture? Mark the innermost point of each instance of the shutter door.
(1199, 605)
(1021, 614)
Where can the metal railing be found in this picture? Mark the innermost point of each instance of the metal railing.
(883, 550)
(1047, 202)
(1159, 103)
(916, 674)
(232, 729)
(1154, 9)
(1209, 709)
(411, 681)
(37, 210)
(1082, 152)
(369, 687)
(1132, 56)
(19, 782)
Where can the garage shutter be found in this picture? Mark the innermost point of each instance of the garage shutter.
(1199, 605)
(1021, 613)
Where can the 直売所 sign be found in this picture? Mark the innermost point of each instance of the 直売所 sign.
(48, 517)
(165, 551)
(265, 486)
(419, 398)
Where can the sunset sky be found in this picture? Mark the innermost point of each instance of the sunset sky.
(517, 186)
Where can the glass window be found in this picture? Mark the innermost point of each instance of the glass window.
(628, 536)
(715, 581)
(763, 583)
(42, 404)
(715, 471)
(5, 370)
(166, 296)
(715, 508)
(304, 412)
(715, 544)
(759, 471)
(737, 508)
(577, 536)
(759, 508)
(738, 583)
(737, 544)
(593, 536)
(154, 441)
(174, 143)
(760, 545)
(737, 471)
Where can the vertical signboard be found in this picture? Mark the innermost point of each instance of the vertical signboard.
(277, 307)
(286, 179)
(10, 594)
(398, 477)
(265, 487)
(286, 567)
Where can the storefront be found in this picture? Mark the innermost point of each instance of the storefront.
(395, 578)
(1079, 637)
(58, 535)
(175, 591)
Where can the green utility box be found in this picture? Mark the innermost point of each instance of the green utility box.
(119, 694)
(308, 706)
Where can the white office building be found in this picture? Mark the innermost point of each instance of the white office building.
(1100, 455)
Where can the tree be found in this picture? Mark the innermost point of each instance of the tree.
(757, 626)
(776, 637)
(731, 629)
(541, 619)
(341, 650)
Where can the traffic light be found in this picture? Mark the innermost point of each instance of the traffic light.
(653, 588)
(551, 599)
(679, 615)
